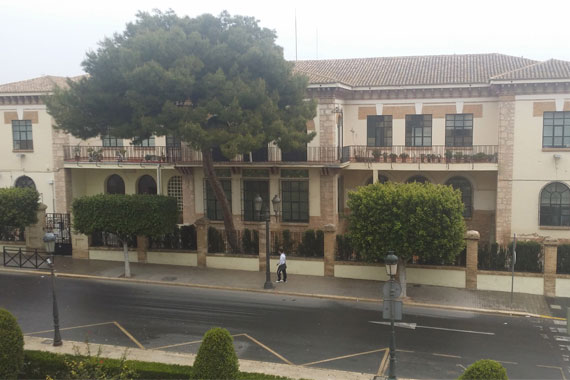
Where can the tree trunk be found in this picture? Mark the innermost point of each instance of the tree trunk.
(222, 200)
(126, 253)
(402, 276)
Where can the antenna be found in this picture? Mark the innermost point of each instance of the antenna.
(295, 34)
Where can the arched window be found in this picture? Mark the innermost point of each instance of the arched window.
(555, 205)
(146, 185)
(115, 185)
(25, 181)
(466, 189)
(175, 190)
(418, 179)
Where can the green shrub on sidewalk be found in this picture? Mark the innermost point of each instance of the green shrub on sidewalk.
(485, 369)
(216, 358)
(11, 346)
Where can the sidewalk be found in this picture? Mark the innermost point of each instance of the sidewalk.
(315, 286)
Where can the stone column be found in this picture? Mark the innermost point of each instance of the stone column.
(202, 241)
(142, 247)
(262, 243)
(472, 242)
(330, 244)
(374, 176)
(35, 233)
(550, 261)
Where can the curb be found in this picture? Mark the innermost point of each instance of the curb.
(296, 294)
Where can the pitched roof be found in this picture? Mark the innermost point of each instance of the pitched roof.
(551, 69)
(427, 70)
(37, 85)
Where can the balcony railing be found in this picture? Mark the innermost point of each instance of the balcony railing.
(187, 155)
(428, 154)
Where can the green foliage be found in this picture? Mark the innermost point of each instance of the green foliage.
(528, 256)
(492, 257)
(182, 238)
(563, 261)
(312, 244)
(216, 358)
(125, 215)
(485, 369)
(11, 346)
(288, 243)
(344, 249)
(411, 219)
(215, 241)
(250, 242)
(93, 367)
(18, 207)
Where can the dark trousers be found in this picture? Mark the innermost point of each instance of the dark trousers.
(282, 269)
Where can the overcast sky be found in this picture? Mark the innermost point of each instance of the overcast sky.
(42, 37)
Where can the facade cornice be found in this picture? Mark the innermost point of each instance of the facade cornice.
(21, 99)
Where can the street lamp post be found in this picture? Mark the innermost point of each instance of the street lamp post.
(49, 240)
(258, 202)
(391, 262)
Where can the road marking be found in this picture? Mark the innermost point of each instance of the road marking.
(561, 323)
(460, 366)
(384, 362)
(505, 362)
(447, 356)
(557, 307)
(268, 349)
(347, 356)
(186, 343)
(562, 338)
(129, 335)
(413, 326)
(70, 328)
(558, 368)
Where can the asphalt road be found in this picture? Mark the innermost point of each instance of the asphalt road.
(349, 336)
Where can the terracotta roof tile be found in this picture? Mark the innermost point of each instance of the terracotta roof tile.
(551, 69)
(37, 85)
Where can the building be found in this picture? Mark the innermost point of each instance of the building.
(495, 126)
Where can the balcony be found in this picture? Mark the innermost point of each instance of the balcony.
(418, 155)
(187, 156)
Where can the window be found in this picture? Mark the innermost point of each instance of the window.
(25, 181)
(466, 194)
(379, 130)
(115, 185)
(144, 143)
(418, 179)
(213, 207)
(173, 142)
(110, 141)
(22, 134)
(418, 130)
(555, 205)
(252, 188)
(459, 129)
(174, 190)
(295, 200)
(146, 185)
(556, 130)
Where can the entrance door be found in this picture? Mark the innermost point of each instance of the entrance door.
(60, 225)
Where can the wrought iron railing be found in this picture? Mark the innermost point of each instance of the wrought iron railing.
(428, 154)
(24, 258)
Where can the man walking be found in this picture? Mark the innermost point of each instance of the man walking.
(282, 266)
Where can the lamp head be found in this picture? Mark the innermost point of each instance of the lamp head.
(391, 262)
(276, 204)
(257, 202)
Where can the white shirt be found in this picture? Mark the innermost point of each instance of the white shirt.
(282, 259)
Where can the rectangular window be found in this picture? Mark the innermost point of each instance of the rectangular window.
(213, 207)
(252, 188)
(556, 130)
(295, 199)
(110, 141)
(418, 130)
(173, 142)
(22, 135)
(379, 130)
(145, 143)
(459, 129)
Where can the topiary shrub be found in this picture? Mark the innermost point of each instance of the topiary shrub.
(216, 358)
(485, 369)
(11, 346)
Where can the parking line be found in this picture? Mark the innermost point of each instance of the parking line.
(70, 328)
(384, 362)
(268, 349)
(185, 343)
(558, 368)
(505, 362)
(447, 356)
(346, 356)
(129, 335)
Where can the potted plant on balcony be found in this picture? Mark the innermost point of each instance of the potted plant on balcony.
(77, 152)
(393, 157)
(376, 154)
(95, 155)
(424, 157)
(120, 153)
(385, 156)
(480, 157)
(404, 156)
(448, 156)
(458, 156)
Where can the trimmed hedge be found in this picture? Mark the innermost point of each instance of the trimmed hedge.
(485, 369)
(18, 207)
(11, 346)
(216, 358)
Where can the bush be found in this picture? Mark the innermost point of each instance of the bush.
(288, 242)
(528, 256)
(344, 249)
(563, 262)
(492, 257)
(312, 244)
(216, 358)
(215, 241)
(18, 207)
(485, 369)
(250, 242)
(11, 346)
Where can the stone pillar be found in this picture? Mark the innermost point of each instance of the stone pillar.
(330, 245)
(202, 241)
(80, 244)
(189, 206)
(35, 233)
(262, 243)
(472, 242)
(374, 176)
(142, 247)
(550, 261)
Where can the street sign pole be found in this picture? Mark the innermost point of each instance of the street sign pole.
(513, 261)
